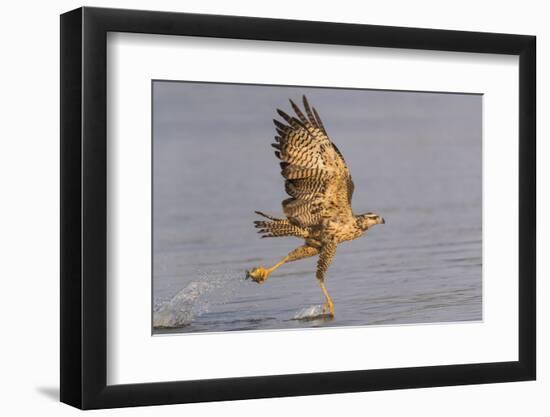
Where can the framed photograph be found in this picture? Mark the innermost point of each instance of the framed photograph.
(390, 170)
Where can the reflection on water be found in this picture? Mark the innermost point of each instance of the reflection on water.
(415, 159)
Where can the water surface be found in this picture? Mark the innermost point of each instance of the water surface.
(415, 159)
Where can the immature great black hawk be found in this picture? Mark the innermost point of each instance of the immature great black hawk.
(320, 187)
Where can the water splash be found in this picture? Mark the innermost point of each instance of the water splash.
(314, 312)
(195, 299)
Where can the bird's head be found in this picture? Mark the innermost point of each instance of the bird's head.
(367, 220)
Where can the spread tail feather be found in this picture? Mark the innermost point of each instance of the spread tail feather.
(267, 216)
(278, 227)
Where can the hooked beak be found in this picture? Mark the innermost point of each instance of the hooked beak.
(382, 221)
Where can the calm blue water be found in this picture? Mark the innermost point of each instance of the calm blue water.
(415, 159)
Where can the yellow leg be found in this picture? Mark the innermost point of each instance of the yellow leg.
(329, 306)
(260, 274)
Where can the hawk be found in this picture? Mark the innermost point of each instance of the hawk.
(320, 187)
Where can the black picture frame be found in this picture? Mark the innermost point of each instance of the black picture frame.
(84, 207)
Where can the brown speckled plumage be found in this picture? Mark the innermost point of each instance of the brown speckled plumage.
(320, 187)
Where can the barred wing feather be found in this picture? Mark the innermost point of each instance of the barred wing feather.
(317, 178)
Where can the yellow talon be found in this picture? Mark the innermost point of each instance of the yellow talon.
(258, 275)
(328, 309)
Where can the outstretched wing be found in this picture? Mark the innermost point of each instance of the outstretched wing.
(316, 176)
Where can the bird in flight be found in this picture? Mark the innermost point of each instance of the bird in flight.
(320, 187)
